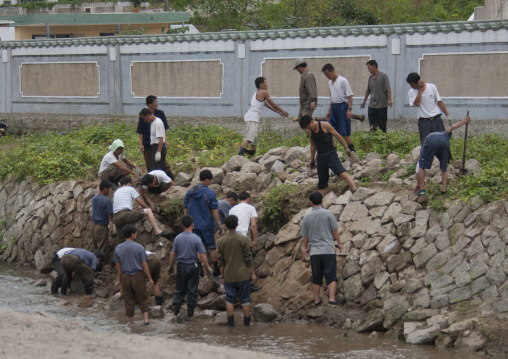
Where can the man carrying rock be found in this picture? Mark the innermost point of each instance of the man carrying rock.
(111, 169)
(83, 264)
(124, 214)
(102, 213)
(259, 100)
(308, 89)
(236, 269)
(132, 271)
(156, 182)
(378, 88)
(436, 144)
(320, 135)
(319, 230)
(187, 249)
(426, 97)
(144, 131)
(201, 204)
(341, 104)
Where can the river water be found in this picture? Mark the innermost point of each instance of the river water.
(17, 292)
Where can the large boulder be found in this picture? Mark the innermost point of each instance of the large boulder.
(264, 313)
(235, 163)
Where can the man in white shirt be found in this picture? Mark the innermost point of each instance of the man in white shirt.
(155, 182)
(247, 216)
(112, 169)
(426, 97)
(157, 139)
(123, 214)
(341, 104)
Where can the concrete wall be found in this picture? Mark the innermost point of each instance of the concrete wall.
(7, 33)
(493, 9)
(215, 76)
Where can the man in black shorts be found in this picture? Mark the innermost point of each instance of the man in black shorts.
(319, 230)
(321, 135)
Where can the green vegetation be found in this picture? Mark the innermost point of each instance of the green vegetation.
(77, 155)
(281, 203)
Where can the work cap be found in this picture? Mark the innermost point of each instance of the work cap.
(298, 62)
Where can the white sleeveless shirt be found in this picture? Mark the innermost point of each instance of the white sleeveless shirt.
(254, 113)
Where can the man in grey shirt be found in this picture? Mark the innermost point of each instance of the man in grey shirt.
(308, 89)
(380, 93)
(226, 204)
(319, 230)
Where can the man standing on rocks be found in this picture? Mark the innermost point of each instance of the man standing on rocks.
(426, 97)
(308, 89)
(341, 104)
(157, 140)
(111, 169)
(258, 102)
(236, 269)
(83, 264)
(156, 182)
(436, 144)
(201, 204)
(102, 213)
(144, 130)
(226, 204)
(320, 135)
(378, 88)
(132, 271)
(319, 230)
(187, 250)
(247, 222)
(124, 214)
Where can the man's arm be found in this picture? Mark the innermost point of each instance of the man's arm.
(312, 163)
(421, 88)
(254, 230)
(306, 244)
(389, 92)
(207, 268)
(147, 273)
(272, 105)
(247, 258)
(335, 234)
(141, 147)
(310, 85)
(327, 116)
(147, 198)
(125, 168)
(349, 106)
(172, 257)
(118, 274)
(443, 108)
(466, 119)
(215, 215)
(362, 105)
(329, 128)
(141, 202)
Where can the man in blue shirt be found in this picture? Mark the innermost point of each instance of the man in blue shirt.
(83, 264)
(201, 204)
(144, 133)
(102, 213)
(436, 144)
(132, 270)
(187, 248)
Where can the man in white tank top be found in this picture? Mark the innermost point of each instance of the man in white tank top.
(259, 100)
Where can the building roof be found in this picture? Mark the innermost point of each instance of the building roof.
(97, 19)
(344, 31)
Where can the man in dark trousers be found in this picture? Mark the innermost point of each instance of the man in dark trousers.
(187, 249)
(320, 135)
(144, 131)
(102, 214)
(132, 270)
(83, 264)
(319, 231)
(236, 269)
(378, 88)
(201, 204)
(436, 144)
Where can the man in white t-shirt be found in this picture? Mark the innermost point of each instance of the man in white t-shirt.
(341, 104)
(112, 169)
(247, 216)
(426, 97)
(123, 213)
(155, 182)
(157, 139)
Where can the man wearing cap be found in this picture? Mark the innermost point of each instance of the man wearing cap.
(111, 169)
(308, 89)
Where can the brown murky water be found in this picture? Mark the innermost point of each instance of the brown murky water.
(18, 293)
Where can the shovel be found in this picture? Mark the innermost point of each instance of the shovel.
(463, 170)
